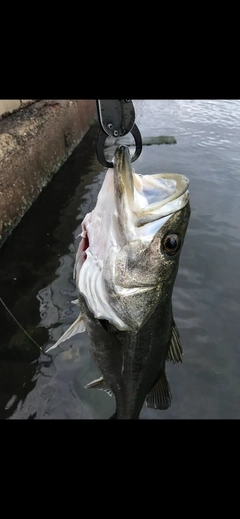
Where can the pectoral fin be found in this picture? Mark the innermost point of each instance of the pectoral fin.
(77, 327)
(175, 351)
(99, 384)
(160, 396)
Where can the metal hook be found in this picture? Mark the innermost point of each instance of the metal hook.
(101, 141)
(138, 141)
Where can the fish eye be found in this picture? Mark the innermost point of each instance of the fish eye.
(171, 244)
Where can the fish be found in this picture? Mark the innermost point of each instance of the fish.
(126, 265)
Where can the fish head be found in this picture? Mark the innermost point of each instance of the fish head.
(152, 263)
(134, 240)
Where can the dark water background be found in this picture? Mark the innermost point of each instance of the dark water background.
(36, 266)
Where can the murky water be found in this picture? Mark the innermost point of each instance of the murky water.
(36, 265)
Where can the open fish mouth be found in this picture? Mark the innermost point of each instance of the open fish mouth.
(142, 199)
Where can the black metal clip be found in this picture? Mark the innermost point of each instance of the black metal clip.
(117, 118)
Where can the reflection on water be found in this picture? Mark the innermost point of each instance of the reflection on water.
(36, 266)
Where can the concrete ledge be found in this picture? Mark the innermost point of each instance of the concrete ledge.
(11, 105)
(34, 143)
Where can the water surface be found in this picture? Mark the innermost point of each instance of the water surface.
(36, 266)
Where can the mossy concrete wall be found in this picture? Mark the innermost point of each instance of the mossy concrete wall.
(34, 142)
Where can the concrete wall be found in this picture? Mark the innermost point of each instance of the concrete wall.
(8, 105)
(34, 143)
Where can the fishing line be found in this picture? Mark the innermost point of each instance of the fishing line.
(14, 318)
